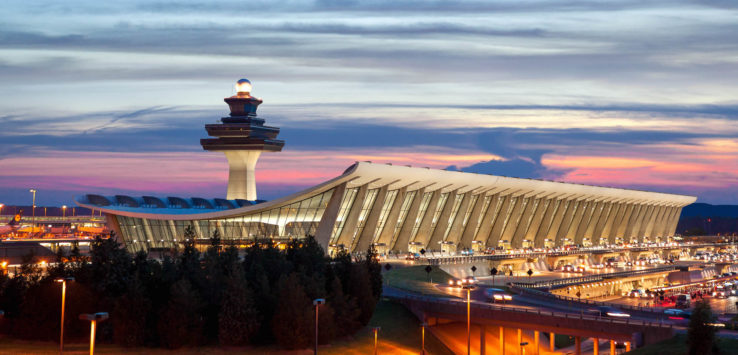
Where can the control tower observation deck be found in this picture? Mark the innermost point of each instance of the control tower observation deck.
(242, 137)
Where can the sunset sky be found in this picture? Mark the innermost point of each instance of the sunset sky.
(112, 97)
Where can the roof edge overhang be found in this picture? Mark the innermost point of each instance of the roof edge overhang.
(394, 176)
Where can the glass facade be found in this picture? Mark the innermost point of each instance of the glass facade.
(298, 219)
(389, 201)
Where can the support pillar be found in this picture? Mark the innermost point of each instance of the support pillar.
(520, 340)
(502, 340)
(552, 340)
(596, 349)
(536, 340)
(482, 341)
(578, 345)
(612, 347)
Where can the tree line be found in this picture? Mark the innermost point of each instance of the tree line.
(262, 295)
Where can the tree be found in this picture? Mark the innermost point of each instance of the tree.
(375, 271)
(292, 320)
(180, 323)
(238, 319)
(701, 335)
(215, 239)
(130, 315)
(360, 289)
(345, 310)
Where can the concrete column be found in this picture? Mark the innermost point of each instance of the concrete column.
(423, 234)
(328, 222)
(556, 222)
(598, 218)
(574, 210)
(665, 222)
(673, 223)
(490, 215)
(535, 221)
(650, 215)
(633, 221)
(471, 225)
(552, 339)
(241, 180)
(536, 342)
(502, 340)
(524, 222)
(388, 231)
(508, 205)
(520, 340)
(605, 231)
(403, 238)
(622, 224)
(352, 218)
(508, 231)
(439, 231)
(482, 341)
(612, 347)
(584, 211)
(654, 222)
(578, 345)
(596, 349)
(589, 218)
(454, 233)
(370, 226)
(545, 222)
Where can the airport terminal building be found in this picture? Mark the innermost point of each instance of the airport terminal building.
(394, 208)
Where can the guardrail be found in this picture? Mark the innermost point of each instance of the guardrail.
(438, 260)
(576, 302)
(559, 283)
(562, 315)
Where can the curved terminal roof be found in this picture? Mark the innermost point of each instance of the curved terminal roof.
(151, 205)
(395, 177)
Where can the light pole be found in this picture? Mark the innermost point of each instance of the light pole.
(422, 337)
(64, 211)
(93, 318)
(64, 295)
(468, 318)
(522, 346)
(376, 331)
(317, 303)
(1, 209)
(33, 211)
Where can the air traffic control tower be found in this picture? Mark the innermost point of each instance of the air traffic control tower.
(242, 137)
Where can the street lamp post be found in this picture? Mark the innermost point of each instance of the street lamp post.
(64, 295)
(33, 211)
(64, 212)
(376, 332)
(93, 318)
(468, 318)
(522, 346)
(422, 337)
(317, 303)
(1, 209)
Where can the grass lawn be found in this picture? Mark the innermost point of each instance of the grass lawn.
(416, 279)
(400, 334)
(678, 346)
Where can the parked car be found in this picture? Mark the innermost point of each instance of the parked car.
(636, 293)
(683, 301)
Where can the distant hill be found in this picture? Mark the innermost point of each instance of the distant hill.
(706, 219)
(708, 210)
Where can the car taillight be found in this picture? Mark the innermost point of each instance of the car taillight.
(676, 318)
